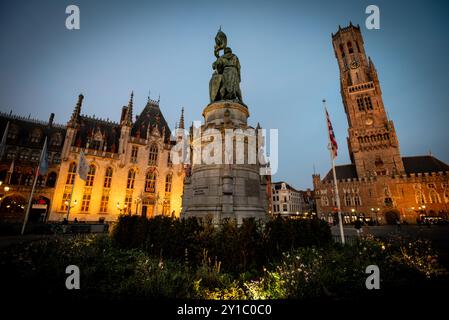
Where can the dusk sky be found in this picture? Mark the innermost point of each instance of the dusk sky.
(284, 47)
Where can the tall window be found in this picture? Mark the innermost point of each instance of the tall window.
(357, 200)
(85, 203)
(169, 162)
(150, 182)
(71, 174)
(131, 179)
(128, 203)
(91, 176)
(419, 197)
(106, 189)
(152, 159)
(168, 180)
(104, 201)
(107, 178)
(368, 103)
(134, 152)
(66, 198)
(347, 199)
(350, 49)
(434, 197)
(51, 180)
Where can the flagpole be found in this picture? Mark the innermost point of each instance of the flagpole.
(71, 195)
(25, 220)
(340, 222)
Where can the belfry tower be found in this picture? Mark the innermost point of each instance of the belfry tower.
(372, 141)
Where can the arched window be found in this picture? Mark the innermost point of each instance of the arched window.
(51, 179)
(152, 159)
(350, 49)
(347, 199)
(357, 200)
(91, 176)
(324, 201)
(36, 135)
(419, 197)
(434, 197)
(131, 179)
(71, 174)
(168, 181)
(342, 51)
(56, 139)
(150, 182)
(107, 178)
(446, 195)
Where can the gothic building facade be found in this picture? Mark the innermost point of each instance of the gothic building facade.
(130, 171)
(24, 139)
(379, 184)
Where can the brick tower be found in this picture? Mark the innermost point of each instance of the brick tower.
(372, 141)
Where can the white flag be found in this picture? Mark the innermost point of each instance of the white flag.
(83, 167)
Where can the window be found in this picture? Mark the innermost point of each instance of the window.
(36, 136)
(56, 140)
(51, 180)
(104, 201)
(134, 152)
(350, 49)
(150, 182)
(66, 198)
(107, 178)
(85, 203)
(347, 199)
(419, 197)
(342, 51)
(357, 200)
(434, 197)
(57, 158)
(71, 174)
(168, 180)
(13, 132)
(35, 156)
(360, 104)
(90, 176)
(324, 201)
(152, 159)
(128, 203)
(131, 179)
(169, 163)
(368, 103)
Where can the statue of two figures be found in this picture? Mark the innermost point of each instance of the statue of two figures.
(225, 81)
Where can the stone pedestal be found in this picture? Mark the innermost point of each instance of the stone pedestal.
(220, 191)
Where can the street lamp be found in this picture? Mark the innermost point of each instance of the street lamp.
(121, 209)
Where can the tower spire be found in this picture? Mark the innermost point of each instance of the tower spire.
(77, 110)
(181, 120)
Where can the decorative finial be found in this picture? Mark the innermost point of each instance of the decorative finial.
(181, 120)
(77, 111)
(149, 94)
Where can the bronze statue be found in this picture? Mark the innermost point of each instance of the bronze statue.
(225, 81)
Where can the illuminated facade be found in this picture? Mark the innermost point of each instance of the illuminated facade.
(130, 171)
(379, 184)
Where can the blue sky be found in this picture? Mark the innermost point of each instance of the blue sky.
(284, 47)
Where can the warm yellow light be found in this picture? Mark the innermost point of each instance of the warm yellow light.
(353, 210)
(423, 207)
(6, 189)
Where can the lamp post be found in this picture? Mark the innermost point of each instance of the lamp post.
(71, 206)
(119, 208)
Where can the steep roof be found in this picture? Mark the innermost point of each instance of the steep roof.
(91, 128)
(346, 171)
(152, 116)
(422, 164)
